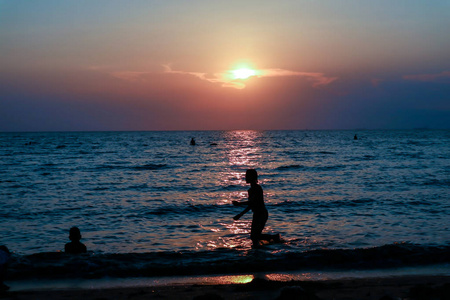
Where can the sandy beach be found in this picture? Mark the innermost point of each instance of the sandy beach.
(398, 287)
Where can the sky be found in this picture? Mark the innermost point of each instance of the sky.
(109, 65)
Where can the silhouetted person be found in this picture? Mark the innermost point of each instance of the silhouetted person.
(5, 255)
(192, 142)
(355, 137)
(75, 246)
(256, 204)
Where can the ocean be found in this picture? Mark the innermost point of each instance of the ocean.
(151, 204)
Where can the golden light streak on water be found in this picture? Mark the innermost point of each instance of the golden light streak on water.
(245, 152)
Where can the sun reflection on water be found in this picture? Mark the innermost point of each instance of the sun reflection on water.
(244, 150)
(241, 279)
(229, 279)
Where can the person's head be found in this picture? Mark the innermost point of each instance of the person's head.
(4, 249)
(251, 176)
(74, 234)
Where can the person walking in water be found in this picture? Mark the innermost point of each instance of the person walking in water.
(260, 215)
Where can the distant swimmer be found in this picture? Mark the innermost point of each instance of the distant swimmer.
(75, 246)
(260, 215)
(355, 137)
(192, 142)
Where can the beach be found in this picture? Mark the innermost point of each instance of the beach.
(373, 288)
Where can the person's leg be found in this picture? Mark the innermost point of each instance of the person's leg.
(267, 237)
(271, 237)
(258, 223)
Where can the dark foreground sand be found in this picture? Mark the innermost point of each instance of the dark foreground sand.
(401, 287)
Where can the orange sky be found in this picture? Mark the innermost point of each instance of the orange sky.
(159, 65)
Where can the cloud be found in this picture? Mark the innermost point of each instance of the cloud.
(444, 76)
(225, 78)
(214, 78)
(317, 79)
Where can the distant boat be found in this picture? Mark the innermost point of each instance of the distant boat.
(192, 142)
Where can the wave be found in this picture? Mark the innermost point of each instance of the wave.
(187, 209)
(436, 182)
(368, 157)
(52, 265)
(151, 167)
(291, 167)
(145, 167)
(326, 152)
(190, 210)
(309, 168)
(314, 204)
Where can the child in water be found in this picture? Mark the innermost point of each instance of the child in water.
(75, 246)
(260, 215)
(5, 255)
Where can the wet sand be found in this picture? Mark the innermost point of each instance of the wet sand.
(399, 287)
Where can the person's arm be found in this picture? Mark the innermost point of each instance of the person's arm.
(237, 203)
(238, 216)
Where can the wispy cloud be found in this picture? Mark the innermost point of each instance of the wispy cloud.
(317, 79)
(225, 78)
(444, 76)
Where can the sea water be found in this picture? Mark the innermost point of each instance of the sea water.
(151, 196)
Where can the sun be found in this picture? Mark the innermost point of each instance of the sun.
(243, 73)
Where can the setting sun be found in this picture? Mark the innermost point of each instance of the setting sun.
(243, 73)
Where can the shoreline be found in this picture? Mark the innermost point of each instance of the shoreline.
(371, 288)
(224, 279)
(59, 265)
